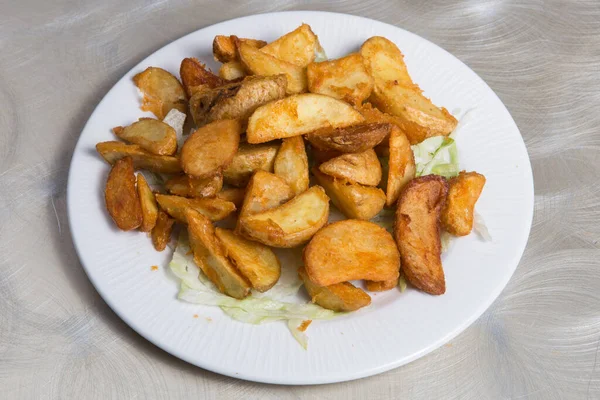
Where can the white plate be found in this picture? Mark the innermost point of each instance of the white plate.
(397, 328)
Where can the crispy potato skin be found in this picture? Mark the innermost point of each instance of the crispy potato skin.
(463, 193)
(148, 203)
(291, 164)
(417, 232)
(349, 139)
(384, 61)
(265, 191)
(363, 168)
(211, 148)
(195, 76)
(341, 297)
(339, 252)
(162, 92)
(401, 165)
(161, 233)
(234, 195)
(150, 134)
(248, 159)
(381, 286)
(184, 185)
(297, 47)
(121, 196)
(113, 151)
(225, 47)
(214, 208)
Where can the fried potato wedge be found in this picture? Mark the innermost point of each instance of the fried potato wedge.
(248, 159)
(187, 186)
(214, 208)
(122, 199)
(463, 193)
(211, 148)
(351, 249)
(291, 164)
(260, 63)
(225, 47)
(290, 224)
(381, 286)
(349, 139)
(195, 77)
(205, 99)
(210, 256)
(233, 70)
(345, 79)
(234, 195)
(341, 297)
(373, 115)
(161, 233)
(384, 61)
(297, 115)
(417, 232)
(255, 261)
(298, 47)
(401, 165)
(113, 151)
(162, 92)
(150, 134)
(352, 199)
(148, 203)
(265, 191)
(363, 168)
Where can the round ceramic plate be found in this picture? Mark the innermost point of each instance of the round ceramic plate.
(398, 327)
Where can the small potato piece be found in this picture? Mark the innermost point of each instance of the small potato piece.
(417, 232)
(384, 61)
(290, 224)
(298, 47)
(463, 193)
(351, 249)
(161, 233)
(150, 134)
(184, 185)
(214, 208)
(148, 203)
(401, 165)
(211, 148)
(255, 261)
(122, 200)
(291, 164)
(297, 115)
(195, 76)
(340, 297)
(234, 195)
(232, 70)
(210, 256)
(350, 139)
(345, 79)
(363, 168)
(162, 92)
(113, 151)
(248, 159)
(353, 200)
(265, 191)
(225, 47)
(381, 286)
(373, 115)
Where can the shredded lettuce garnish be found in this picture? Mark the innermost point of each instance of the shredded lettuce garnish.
(480, 228)
(437, 155)
(176, 119)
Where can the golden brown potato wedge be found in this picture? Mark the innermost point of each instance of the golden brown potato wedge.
(341, 297)
(148, 203)
(255, 261)
(186, 186)
(248, 159)
(161, 233)
(401, 165)
(113, 151)
(351, 249)
(150, 134)
(225, 47)
(363, 168)
(210, 256)
(297, 115)
(417, 232)
(214, 208)
(211, 148)
(234, 195)
(381, 286)
(291, 164)
(463, 193)
(373, 115)
(352, 199)
(290, 224)
(350, 139)
(233, 70)
(265, 191)
(162, 92)
(259, 63)
(298, 47)
(345, 79)
(384, 61)
(195, 77)
(122, 200)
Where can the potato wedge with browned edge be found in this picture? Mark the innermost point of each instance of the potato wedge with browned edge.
(195, 77)
(162, 92)
(265, 191)
(363, 168)
(122, 199)
(349, 139)
(352, 199)
(381, 286)
(210, 256)
(161, 233)
(248, 159)
(384, 61)
(351, 249)
(297, 115)
(290, 224)
(255, 261)
(417, 232)
(211, 148)
(148, 203)
(233, 70)
(340, 297)
(187, 186)
(298, 47)
(291, 164)
(225, 47)
(401, 165)
(113, 151)
(463, 193)
(214, 208)
(151, 135)
(345, 79)
(234, 195)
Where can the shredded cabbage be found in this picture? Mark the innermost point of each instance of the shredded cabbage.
(320, 54)
(480, 228)
(437, 155)
(176, 119)
(402, 282)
